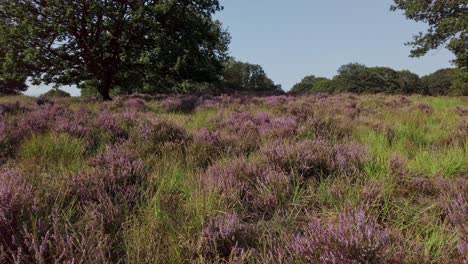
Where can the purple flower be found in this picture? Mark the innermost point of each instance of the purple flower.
(259, 188)
(351, 239)
(226, 237)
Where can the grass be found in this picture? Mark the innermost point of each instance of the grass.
(156, 205)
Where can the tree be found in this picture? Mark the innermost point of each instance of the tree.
(55, 93)
(247, 77)
(307, 84)
(459, 82)
(439, 82)
(410, 83)
(448, 25)
(12, 87)
(124, 43)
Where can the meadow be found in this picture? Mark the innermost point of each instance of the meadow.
(230, 179)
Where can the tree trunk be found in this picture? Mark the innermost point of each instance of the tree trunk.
(104, 88)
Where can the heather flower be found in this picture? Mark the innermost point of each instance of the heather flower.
(307, 159)
(116, 124)
(155, 135)
(327, 127)
(207, 146)
(13, 109)
(461, 111)
(115, 182)
(226, 237)
(247, 125)
(425, 108)
(207, 137)
(182, 104)
(79, 123)
(16, 199)
(455, 200)
(135, 103)
(353, 238)
(41, 119)
(258, 188)
(398, 166)
(350, 158)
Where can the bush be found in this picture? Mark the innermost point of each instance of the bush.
(180, 104)
(257, 187)
(352, 239)
(56, 93)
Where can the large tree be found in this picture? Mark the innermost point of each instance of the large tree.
(12, 87)
(112, 43)
(448, 25)
(307, 84)
(242, 76)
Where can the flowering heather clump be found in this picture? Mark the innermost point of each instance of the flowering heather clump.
(461, 111)
(315, 158)
(258, 188)
(118, 173)
(226, 237)
(350, 158)
(425, 108)
(352, 239)
(180, 104)
(327, 127)
(135, 103)
(13, 108)
(79, 123)
(207, 146)
(208, 137)
(247, 125)
(458, 136)
(16, 199)
(398, 166)
(307, 159)
(116, 124)
(456, 203)
(41, 119)
(156, 135)
(275, 101)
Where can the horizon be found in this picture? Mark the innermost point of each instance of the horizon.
(301, 44)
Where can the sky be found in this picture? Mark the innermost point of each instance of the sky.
(295, 38)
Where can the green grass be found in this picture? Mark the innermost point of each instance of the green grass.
(54, 153)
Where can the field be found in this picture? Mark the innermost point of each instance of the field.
(308, 179)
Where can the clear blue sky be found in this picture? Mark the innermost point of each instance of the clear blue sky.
(295, 38)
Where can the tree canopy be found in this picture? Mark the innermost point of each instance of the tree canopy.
(308, 84)
(125, 43)
(12, 87)
(358, 78)
(448, 25)
(246, 77)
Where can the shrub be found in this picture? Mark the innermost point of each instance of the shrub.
(313, 159)
(226, 237)
(16, 200)
(12, 108)
(180, 104)
(153, 136)
(352, 239)
(455, 200)
(56, 93)
(135, 103)
(258, 188)
(118, 173)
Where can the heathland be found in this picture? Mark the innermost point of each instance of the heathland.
(230, 179)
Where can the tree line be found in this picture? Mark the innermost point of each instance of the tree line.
(358, 78)
(174, 46)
